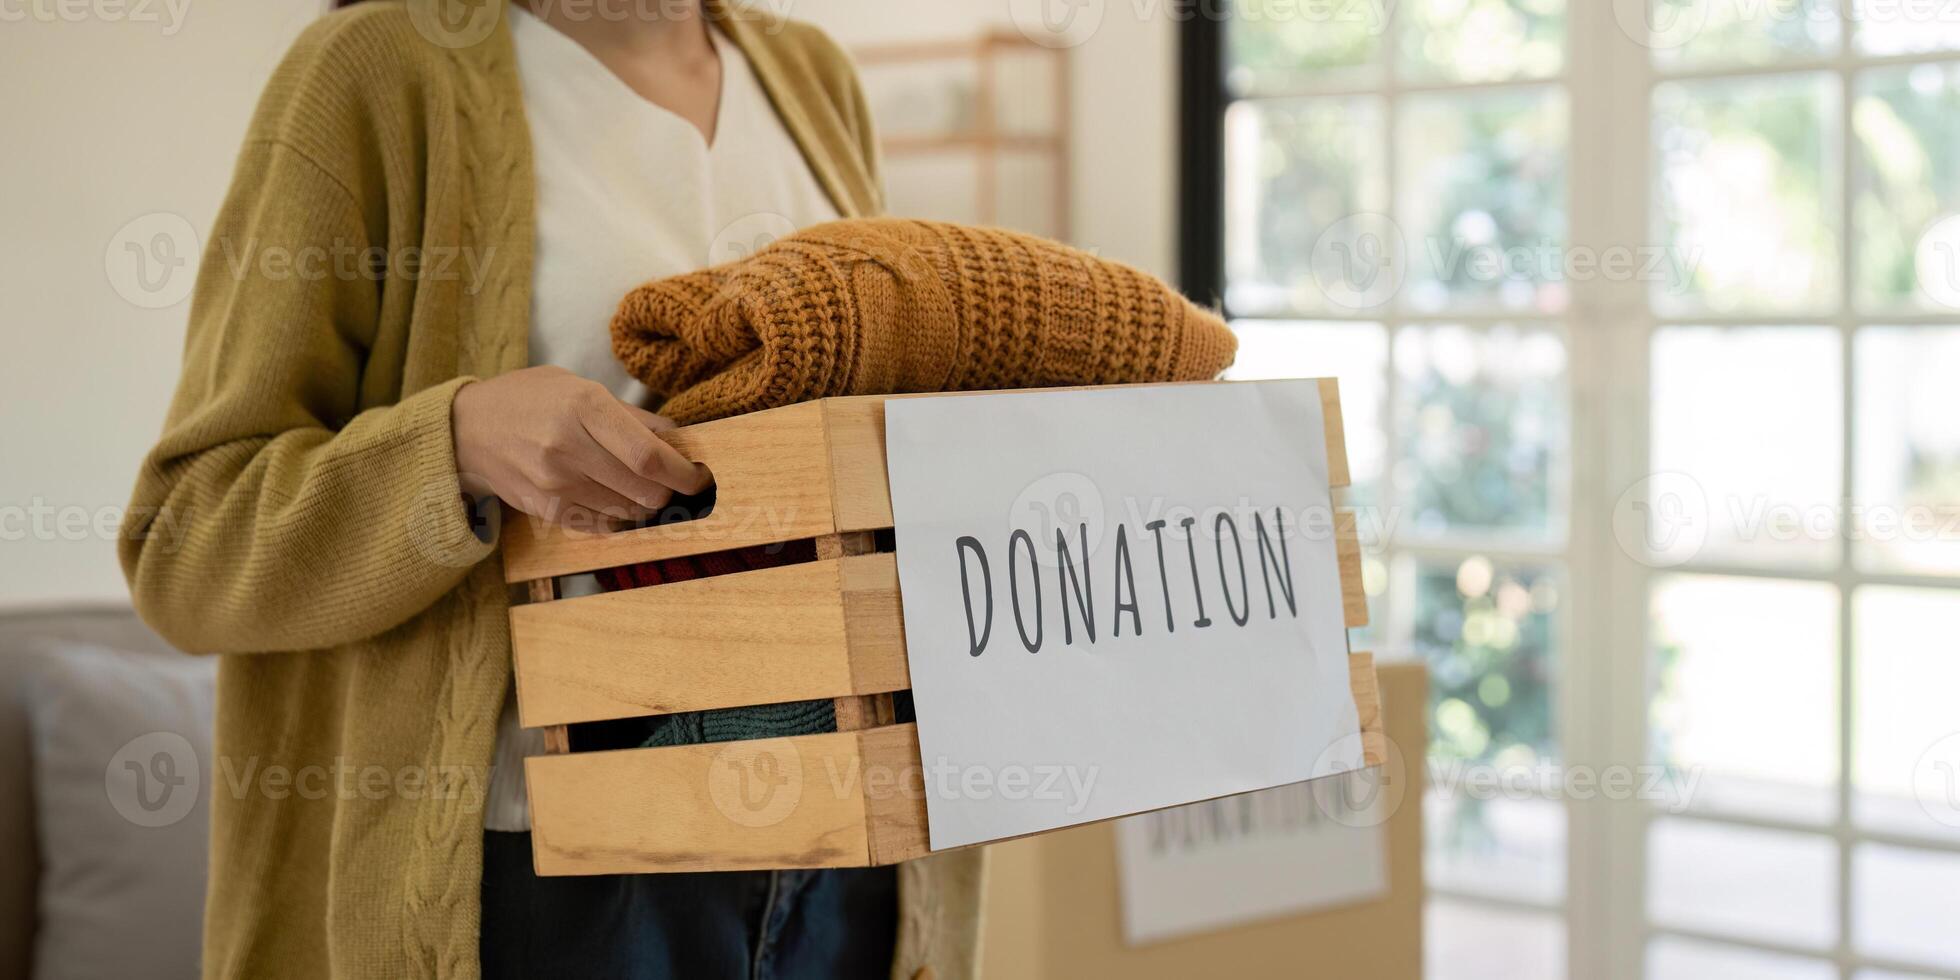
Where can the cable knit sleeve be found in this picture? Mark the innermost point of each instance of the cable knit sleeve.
(273, 515)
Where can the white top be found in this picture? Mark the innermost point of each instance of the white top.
(628, 191)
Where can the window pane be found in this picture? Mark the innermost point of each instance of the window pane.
(1483, 199)
(1903, 905)
(1905, 26)
(1493, 843)
(1686, 959)
(1294, 169)
(1486, 632)
(1281, 45)
(1908, 189)
(1907, 664)
(1481, 417)
(1463, 941)
(1744, 677)
(1750, 884)
(1750, 418)
(1706, 33)
(1745, 182)
(1908, 449)
(1482, 40)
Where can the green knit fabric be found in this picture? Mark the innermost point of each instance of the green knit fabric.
(737, 724)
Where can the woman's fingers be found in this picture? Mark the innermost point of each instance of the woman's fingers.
(621, 431)
(654, 423)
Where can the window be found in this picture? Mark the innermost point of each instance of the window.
(1647, 319)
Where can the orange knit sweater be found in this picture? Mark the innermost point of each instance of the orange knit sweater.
(886, 306)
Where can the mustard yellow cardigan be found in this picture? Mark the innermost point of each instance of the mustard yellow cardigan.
(300, 513)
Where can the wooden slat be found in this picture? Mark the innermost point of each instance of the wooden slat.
(854, 430)
(557, 738)
(1364, 682)
(733, 806)
(822, 629)
(1347, 556)
(857, 711)
(1336, 432)
(862, 711)
(895, 819)
(772, 483)
(858, 798)
(801, 471)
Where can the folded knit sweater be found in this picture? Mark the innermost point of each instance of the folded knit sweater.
(888, 306)
(881, 306)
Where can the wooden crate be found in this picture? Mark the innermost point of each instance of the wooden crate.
(829, 628)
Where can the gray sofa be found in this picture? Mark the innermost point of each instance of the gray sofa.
(25, 636)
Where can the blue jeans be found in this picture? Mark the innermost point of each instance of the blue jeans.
(745, 925)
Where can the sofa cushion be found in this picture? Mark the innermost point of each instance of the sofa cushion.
(25, 636)
(121, 747)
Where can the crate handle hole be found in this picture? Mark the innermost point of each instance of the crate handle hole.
(681, 509)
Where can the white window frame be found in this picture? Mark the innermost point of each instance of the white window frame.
(1602, 644)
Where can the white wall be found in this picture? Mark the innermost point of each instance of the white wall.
(1123, 109)
(132, 110)
(133, 114)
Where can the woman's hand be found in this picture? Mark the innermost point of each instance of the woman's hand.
(557, 446)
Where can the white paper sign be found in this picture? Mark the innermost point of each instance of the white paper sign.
(1249, 858)
(1117, 600)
